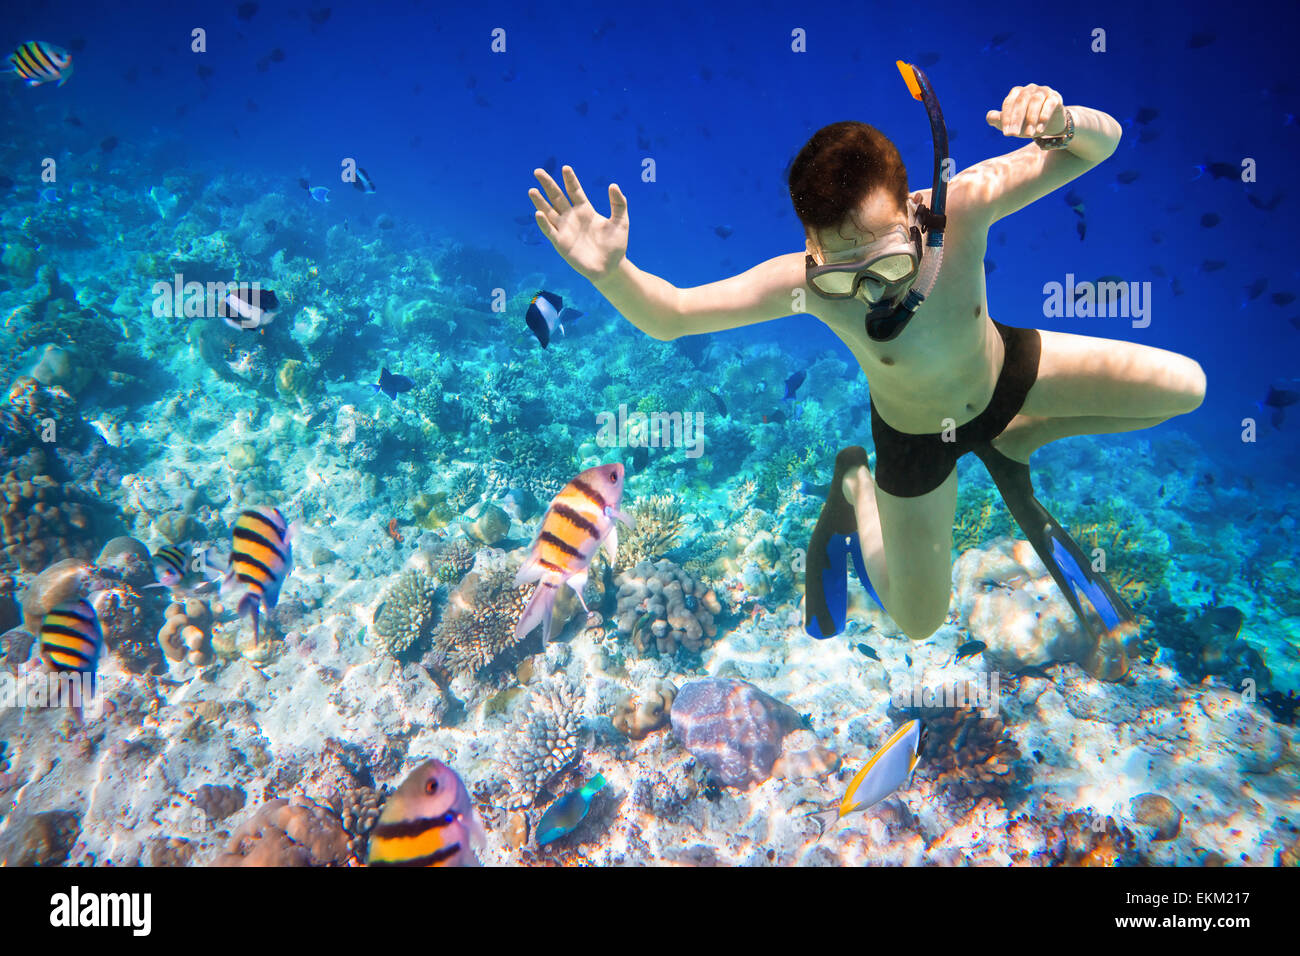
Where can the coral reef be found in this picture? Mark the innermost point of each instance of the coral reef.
(43, 839)
(489, 525)
(219, 801)
(186, 635)
(285, 834)
(1205, 643)
(42, 519)
(657, 524)
(1076, 842)
(128, 557)
(1158, 812)
(408, 614)
(733, 728)
(455, 560)
(664, 603)
(358, 809)
(1005, 598)
(970, 757)
(637, 716)
(543, 739)
(804, 757)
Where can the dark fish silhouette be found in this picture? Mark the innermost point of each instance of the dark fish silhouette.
(1127, 176)
(245, 11)
(723, 231)
(1217, 170)
(1282, 298)
(869, 651)
(1212, 265)
(1199, 41)
(1146, 114)
(1265, 205)
(1278, 399)
(1210, 220)
(970, 649)
(393, 385)
(793, 382)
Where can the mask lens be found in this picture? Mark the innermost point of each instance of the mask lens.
(835, 283)
(894, 268)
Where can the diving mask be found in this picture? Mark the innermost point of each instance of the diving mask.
(882, 271)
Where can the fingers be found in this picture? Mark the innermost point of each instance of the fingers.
(1026, 111)
(576, 195)
(1013, 112)
(994, 118)
(553, 192)
(617, 203)
(540, 202)
(544, 224)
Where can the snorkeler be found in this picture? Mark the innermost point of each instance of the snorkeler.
(899, 278)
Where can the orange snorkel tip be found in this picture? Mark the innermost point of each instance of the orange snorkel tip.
(909, 77)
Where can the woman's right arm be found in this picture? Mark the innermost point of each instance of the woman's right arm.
(596, 247)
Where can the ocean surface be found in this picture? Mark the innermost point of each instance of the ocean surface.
(285, 538)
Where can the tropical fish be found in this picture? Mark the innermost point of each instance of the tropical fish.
(579, 520)
(1126, 177)
(261, 557)
(1277, 399)
(793, 382)
(1081, 227)
(563, 816)
(169, 565)
(1210, 220)
(1146, 114)
(428, 821)
(320, 193)
(1075, 202)
(250, 307)
(1282, 298)
(1256, 288)
(36, 62)
(889, 769)
(723, 232)
(1217, 170)
(814, 490)
(363, 181)
(50, 194)
(393, 385)
(970, 649)
(71, 638)
(546, 313)
(1266, 205)
(868, 651)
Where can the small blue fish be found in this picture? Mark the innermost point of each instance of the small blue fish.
(320, 193)
(970, 649)
(564, 815)
(363, 181)
(50, 195)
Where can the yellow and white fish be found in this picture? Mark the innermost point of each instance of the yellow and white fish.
(428, 821)
(261, 557)
(888, 769)
(36, 62)
(580, 519)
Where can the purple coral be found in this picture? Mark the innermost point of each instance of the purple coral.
(733, 728)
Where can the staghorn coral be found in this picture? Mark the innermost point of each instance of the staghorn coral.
(543, 739)
(663, 603)
(186, 635)
(479, 625)
(358, 809)
(657, 524)
(407, 616)
(970, 757)
(455, 560)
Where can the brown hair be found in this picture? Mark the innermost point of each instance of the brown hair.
(840, 166)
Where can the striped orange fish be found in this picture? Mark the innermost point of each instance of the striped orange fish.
(579, 520)
(38, 62)
(428, 821)
(71, 638)
(260, 558)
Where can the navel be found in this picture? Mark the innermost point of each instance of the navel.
(977, 311)
(886, 360)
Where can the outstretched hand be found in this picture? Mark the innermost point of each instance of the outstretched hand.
(1029, 111)
(591, 243)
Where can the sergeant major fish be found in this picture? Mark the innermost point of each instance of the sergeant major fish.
(428, 821)
(261, 557)
(579, 520)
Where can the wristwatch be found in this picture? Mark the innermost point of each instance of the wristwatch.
(1058, 142)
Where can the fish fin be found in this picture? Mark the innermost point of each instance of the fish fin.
(530, 571)
(620, 515)
(248, 605)
(537, 611)
(826, 820)
(579, 582)
(610, 545)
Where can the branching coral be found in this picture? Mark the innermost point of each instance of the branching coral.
(657, 524)
(544, 738)
(1133, 565)
(479, 625)
(663, 603)
(408, 614)
(972, 757)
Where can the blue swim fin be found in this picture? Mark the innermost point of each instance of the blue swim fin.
(1067, 564)
(834, 541)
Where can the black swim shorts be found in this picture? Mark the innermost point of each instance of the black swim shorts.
(908, 466)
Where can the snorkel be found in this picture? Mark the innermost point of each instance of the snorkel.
(884, 327)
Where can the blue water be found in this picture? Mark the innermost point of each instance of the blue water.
(450, 132)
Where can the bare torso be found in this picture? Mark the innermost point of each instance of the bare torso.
(945, 363)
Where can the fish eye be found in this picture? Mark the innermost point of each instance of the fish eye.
(431, 786)
(613, 477)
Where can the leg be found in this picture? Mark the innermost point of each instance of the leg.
(1079, 375)
(1025, 435)
(907, 547)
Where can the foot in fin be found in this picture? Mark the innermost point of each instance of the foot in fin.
(1067, 564)
(834, 540)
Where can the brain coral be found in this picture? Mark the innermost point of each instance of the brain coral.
(664, 603)
(733, 728)
(42, 520)
(284, 834)
(408, 613)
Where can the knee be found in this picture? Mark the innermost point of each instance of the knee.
(1191, 392)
